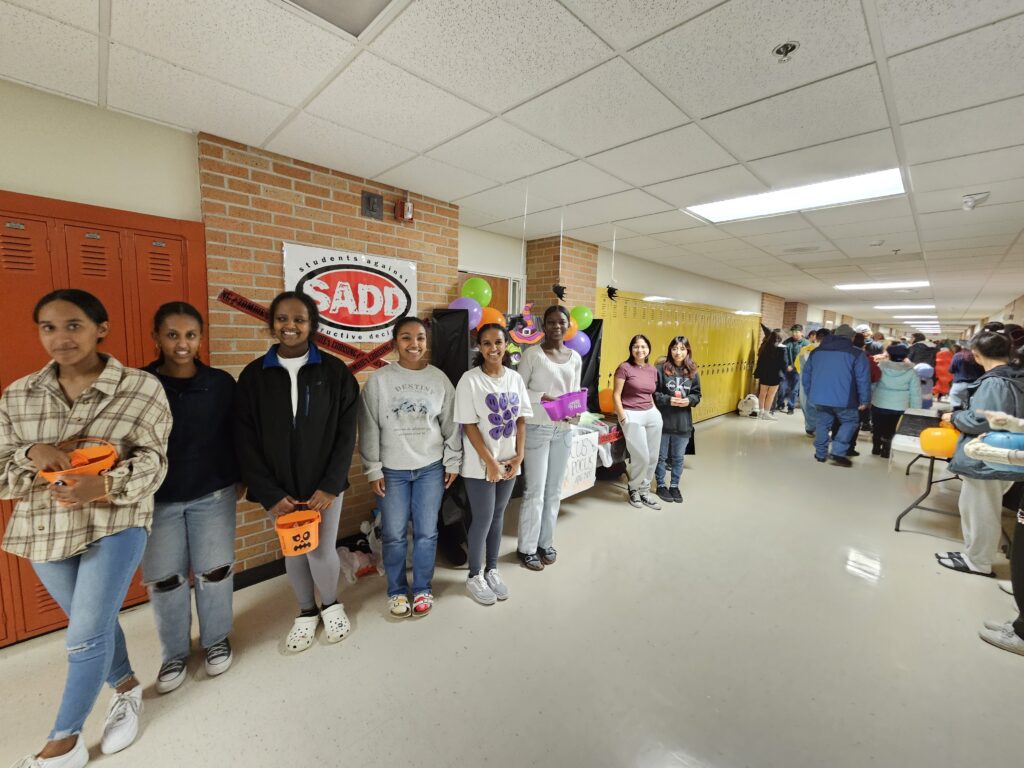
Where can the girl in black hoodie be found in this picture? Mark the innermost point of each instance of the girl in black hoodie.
(677, 393)
(295, 433)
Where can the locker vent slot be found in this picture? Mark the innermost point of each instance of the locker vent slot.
(42, 599)
(94, 260)
(16, 253)
(161, 267)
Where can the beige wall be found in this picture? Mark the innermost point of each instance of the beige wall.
(58, 148)
(487, 253)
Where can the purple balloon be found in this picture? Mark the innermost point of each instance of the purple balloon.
(472, 306)
(580, 343)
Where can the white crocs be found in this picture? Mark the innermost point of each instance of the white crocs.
(336, 623)
(302, 634)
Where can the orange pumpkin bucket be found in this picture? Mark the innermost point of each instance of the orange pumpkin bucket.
(939, 442)
(298, 531)
(90, 460)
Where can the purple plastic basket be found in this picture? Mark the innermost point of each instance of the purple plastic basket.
(566, 406)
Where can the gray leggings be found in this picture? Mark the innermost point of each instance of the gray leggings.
(321, 567)
(487, 501)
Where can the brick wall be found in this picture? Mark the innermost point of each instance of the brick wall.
(772, 309)
(561, 260)
(254, 200)
(828, 319)
(794, 313)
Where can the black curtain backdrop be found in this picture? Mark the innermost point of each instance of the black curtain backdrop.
(449, 349)
(589, 380)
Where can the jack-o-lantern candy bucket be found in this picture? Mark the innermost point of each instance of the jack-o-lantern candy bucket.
(298, 531)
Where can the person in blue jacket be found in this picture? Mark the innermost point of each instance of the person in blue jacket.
(837, 380)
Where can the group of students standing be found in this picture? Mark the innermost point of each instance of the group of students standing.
(191, 442)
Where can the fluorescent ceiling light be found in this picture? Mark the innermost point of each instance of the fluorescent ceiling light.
(881, 286)
(825, 194)
(744, 312)
(661, 299)
(904, 306)
(915, 317)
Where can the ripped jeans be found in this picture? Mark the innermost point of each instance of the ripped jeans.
(90, 589)
(195, 536)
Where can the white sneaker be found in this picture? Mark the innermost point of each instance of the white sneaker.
(122, 724)
(498, 587)
(78, 757)
(171, 675)
(480, 591)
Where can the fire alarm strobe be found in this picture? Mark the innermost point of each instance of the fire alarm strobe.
(403, 209)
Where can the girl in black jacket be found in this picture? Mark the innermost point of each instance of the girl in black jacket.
(771, 362)
(295, 433)
(677, 393)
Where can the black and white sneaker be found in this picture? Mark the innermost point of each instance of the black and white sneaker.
(634, 498)
(171, 675)
(218, 658)
(647, 501)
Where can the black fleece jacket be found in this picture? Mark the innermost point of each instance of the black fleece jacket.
(281, 455)
(676, 420)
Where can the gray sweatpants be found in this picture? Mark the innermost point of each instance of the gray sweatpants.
(981, 514)
(321, 567)
(487, 501)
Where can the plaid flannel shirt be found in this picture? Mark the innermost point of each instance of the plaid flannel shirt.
(125, 407)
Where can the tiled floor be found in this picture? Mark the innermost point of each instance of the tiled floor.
(773, 619)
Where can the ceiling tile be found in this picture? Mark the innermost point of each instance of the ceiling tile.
(968, 243)
(841, 106)
(708, 187)
(869, 211)
(930, 231)
(659, 252)
(47, 54)
(701, 234)
(258, 46)
(765, 225)
(622, 205)
(472, 218)
(992, 126)
(911, 23)
(723, 58)
(877, 228)
(435, 179)
(661, 222)
(624, 23)
(1007, 212)
(540, 224)
(152, 88)
(778, 241)
(682, 151)
(81, 13)
(960, 172)
(635, 244)
(600, 233)
(950, 199)
(966, 253)
(573, 182)
(325, 143)
(607, 106)
(847, 157)
(860, 247)
(957, 73)
(495, 59)
(500, 151)
(728, 245)
(505, 202)
(383, 100)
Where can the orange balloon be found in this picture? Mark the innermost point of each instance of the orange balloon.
(491, 315)
(939, 442)
(574, 328)
(606, 400)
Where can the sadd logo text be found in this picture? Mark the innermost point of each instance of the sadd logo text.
(356, 298)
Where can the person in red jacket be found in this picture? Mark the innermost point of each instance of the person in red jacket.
(943, 376)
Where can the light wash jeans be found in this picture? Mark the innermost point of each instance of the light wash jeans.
(642, 431)
(958, 394)
(673, 449)
(196, 536)
(415, 494)
(981, 518)
(545, 462)
(849, 421)
(809, 410)
(90, 589)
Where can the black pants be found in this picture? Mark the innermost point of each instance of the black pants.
(1017, 576)
(884, 428)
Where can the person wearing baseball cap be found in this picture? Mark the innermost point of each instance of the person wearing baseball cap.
(837, 380)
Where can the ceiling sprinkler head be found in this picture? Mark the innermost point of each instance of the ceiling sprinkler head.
(783, 51)
(971, 200)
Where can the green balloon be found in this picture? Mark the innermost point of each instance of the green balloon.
(583, 316)
(479, 289)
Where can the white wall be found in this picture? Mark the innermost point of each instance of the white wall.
(815, 314)
(639, 276)
(490, 254)
(63, 149)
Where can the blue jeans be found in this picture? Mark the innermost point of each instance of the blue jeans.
(790, 386)
(673, 447)
(546, 459)
(809, 410)
(196, 536)
(849, 422)
(415, 494)
(90, 589)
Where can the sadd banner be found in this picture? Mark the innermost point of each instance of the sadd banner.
(359, 296)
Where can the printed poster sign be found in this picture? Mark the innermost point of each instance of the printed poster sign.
(360, 297)
(580, 474)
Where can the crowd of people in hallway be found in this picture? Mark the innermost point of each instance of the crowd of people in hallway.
(190, 442)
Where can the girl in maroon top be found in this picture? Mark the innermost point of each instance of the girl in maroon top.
(635, 382)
